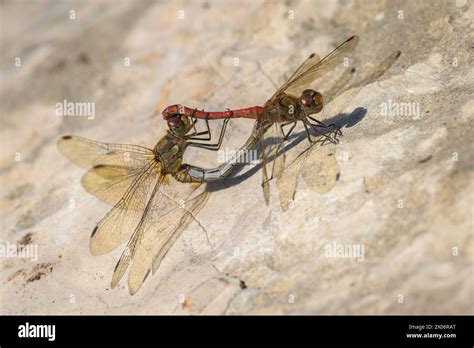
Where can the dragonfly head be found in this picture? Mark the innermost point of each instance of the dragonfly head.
(311, 101)
(179, 124)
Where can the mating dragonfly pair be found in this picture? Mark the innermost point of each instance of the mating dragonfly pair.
(144, 185)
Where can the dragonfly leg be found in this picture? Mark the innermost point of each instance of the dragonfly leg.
(212, 147)
(285, 136)
(331, 126)
(193, 136)
(326, 136)
(321, 124)
(206, 132)
(195, 120)
(307, 131)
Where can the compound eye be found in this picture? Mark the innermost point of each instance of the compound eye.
(174, 121)
(306, 98)
(318, 98)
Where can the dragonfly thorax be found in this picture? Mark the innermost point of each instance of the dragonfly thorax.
(169, 153)
(289, 108)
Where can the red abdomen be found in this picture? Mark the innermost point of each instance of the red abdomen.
(253, 112)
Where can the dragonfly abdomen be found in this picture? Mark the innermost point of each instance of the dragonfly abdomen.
(252, 112)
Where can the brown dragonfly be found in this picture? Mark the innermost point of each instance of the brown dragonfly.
(151, 206)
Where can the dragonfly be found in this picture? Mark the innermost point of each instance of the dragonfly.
(151, 207)
(291, 103)
(324, 172)
(284, 108)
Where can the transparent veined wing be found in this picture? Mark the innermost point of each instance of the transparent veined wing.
(314, 68)
(162, 223)
(113, 167)
(351, 90)
(109, 183)
(374, 74)
(116, 227)
(88, 153)
(287, 185)
(338, 86)
(312, 60)
(270, 145)
(319, 168)
(187, 217)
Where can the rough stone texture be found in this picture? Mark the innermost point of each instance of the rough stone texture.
(404, 192)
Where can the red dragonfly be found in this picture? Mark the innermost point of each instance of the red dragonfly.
(285, 108)
(291, 103)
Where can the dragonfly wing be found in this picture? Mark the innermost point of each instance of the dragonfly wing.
(109, 183)
(322, 174)
(353, 89)
(113, 167)
(265, 180)
(88, 153)
(270, 145)
(287, 183)
(161, 225)
(187, 213)
(319, 68)
(279, 155)
(129, 251)
(338, 87)
(379, 70)
(312, 60)
(287, 187)
(117, 226)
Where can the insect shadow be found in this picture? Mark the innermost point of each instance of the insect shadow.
(342, 120)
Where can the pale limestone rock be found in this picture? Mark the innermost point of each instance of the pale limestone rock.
(404, 185)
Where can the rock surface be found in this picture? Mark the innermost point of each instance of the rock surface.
(393, 234)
